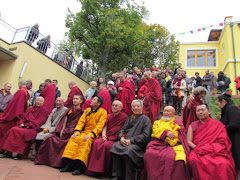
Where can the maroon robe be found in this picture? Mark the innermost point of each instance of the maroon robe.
(69, 102)
(100, 159)
(18, 139)
(107, 104)
(153, 99)
(189, 115)
(160, 160)
(14, 111)
(51, 150)
(126, 96)
(49, 95)
(212, 157)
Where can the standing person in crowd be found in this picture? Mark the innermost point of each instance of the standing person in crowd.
(90, 125)
(198, 80)
(5, 97)
(128, 151)
(114, 78)
(79, 69)
(20, 138)
(167, 149)
(112, 90)
(61, 56)
(152, 98)
(210, 157)
(230, 117)
(135, 80)
(221, 82)
(99, 81)
(237, 80)
(100, 160)
(85, 72)
(74, 90)
(227, 82)
(90, 92)
(44, 44)
(168, 93)
(213, 81)
(69, 63)
(186, 91)
(178, 87)
(33, 34)
(207, 80)
(30, 92)
(125, 94)
(15, 109)
(49, 127)
(49, 94)
(37, 93)
(163, 84)
(179, 67)
(58, 92)
(51, 150)
(189, 110)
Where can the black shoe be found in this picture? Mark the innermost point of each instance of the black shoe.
(179, 114)
(65, 169)
(33, 158)
(6, 155)
(18, 157)
(76, 172)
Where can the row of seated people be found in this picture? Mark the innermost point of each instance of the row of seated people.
(116, 145)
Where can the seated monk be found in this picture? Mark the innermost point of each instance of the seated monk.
(53, 119)
(168, 147)
(210, 157)
(100, 160)
(90, 125)
(127, 154)
(5, 97)
(51, 150)
(20, 138)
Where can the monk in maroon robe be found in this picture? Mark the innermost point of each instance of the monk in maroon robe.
(125, 94)
(189, 110)
(15, 109)
(153, 97)
(49, 94)
(51, 150)
(20, 138)
(211, 156)
(104, 93)
(100, 159)
(74, 90)
(166, 154)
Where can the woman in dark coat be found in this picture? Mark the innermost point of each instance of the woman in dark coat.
(230, 117)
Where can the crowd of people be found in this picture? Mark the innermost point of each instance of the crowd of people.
(125, 128)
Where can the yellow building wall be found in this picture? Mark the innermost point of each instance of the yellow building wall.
(39, 67)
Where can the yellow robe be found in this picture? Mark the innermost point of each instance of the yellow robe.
(91, 125)
(160, 126)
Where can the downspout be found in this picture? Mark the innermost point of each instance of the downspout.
(234, 55)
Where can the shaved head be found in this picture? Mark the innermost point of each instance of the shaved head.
(168, 113)
(39, 101)
(118, 102)
(59, 102)
(71, 84)
(116, 107)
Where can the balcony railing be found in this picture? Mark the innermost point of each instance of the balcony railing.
(42, 44)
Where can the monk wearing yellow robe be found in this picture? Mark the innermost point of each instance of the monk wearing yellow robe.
(90, 125)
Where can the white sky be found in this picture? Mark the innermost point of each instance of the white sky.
(176, 15)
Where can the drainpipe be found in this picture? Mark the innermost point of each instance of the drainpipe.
(234, 54)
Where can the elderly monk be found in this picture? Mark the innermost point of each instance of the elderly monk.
(100, 159)
(20, 138)
(74, 90)
(5, 97)
(90, 125)
(51, 123)
(133, 137)
(125, 94)
(104, 93)
(51, 150)
(49, 94)
(15, 109)
(152, 97)
(168, 148)
(211, 156)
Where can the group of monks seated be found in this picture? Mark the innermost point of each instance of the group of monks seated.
(95, 143)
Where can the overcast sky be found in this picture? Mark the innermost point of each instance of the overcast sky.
(176, 15)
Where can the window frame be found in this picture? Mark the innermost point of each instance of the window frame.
(206, 54)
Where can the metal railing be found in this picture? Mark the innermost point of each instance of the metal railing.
(34, 38)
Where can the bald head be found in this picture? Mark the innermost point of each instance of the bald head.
(22, 83)
(71, 84)
(168, 113)
(39, 101)
(59, 102)
(116, 107)
(147, 75)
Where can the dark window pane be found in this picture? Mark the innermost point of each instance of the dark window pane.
(201, 61)
(190, 52)
(191, 61)
(201, 52)
(211, 61)
(211, 51)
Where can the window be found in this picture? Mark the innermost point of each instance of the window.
(201, 58)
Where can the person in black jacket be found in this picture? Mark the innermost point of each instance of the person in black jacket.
(58, 92)
(230, 117)
(198, 80)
